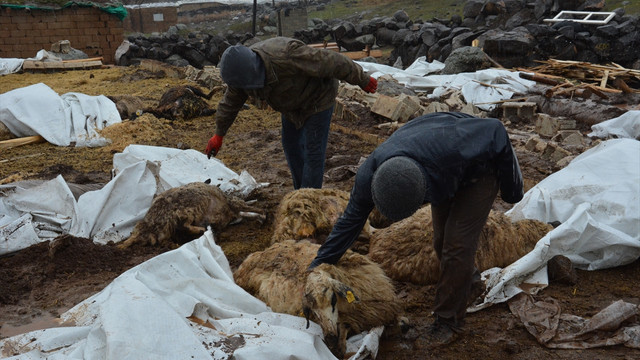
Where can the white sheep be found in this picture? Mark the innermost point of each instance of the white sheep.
(187, 210)
(310, 214)
(405, 249)
(347, 298)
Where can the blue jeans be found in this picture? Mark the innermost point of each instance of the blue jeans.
(305, 149)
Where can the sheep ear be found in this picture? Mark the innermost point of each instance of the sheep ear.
(307, 314)
(345, 291)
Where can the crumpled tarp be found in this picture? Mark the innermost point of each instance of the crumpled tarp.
(117, 10)
(555, 329)
(625, 126)
(29, 215)
(503, 83)
(597, 200)
(182, 304)
(72, 118)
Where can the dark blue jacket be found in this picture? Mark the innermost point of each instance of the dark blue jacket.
(453, 149)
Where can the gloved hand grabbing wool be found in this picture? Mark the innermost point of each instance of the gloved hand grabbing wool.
(371, 86)
(213, 146)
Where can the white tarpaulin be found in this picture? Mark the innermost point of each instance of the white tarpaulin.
(625, 126)
(597, 200)
(72, 118)
(10, 65)
(503, 84)
(182, 304)
(33, 214)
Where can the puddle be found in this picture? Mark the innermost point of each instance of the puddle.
(38, 323)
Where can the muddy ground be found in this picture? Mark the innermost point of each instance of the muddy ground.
(39, 283)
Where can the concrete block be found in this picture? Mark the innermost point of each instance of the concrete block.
(437, 107)
(519, 111)
(549, 126)
(400, 108)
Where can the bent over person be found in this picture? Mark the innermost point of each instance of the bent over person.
(299, 81)
(455, 162)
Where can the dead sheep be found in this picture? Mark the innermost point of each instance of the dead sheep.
(182, 103)
(405, 249)
(186, 211)
(344, 299)
(310, 214)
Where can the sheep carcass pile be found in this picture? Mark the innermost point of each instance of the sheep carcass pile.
(310, 214)
(405, 249)
(186, 211)
(347, 298)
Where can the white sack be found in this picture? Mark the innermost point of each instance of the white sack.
(144, 314)
(61, 120)
(626, 126)
(597, 200)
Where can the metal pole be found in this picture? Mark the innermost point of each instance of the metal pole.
(255, 10)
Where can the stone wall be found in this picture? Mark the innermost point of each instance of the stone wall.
(23, 32)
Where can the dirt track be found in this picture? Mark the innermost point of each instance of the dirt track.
(38, 284)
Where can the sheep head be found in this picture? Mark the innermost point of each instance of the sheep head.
(322, 293)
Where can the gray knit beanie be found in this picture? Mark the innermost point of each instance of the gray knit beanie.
(398, 187)
(242, 68)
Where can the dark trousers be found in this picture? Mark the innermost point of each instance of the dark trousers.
(457, 225)
(305, 149)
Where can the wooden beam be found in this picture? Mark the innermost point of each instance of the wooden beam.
(11, 143)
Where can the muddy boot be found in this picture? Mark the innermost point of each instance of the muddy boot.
(440, 333)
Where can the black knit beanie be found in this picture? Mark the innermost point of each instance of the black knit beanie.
(398, 187)
(242, 68)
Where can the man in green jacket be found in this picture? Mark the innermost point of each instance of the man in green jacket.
(299, 81)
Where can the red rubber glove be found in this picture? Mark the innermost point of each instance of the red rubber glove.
(371, 86)
(213, 146)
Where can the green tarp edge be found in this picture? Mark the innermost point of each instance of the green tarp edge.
(119, 11)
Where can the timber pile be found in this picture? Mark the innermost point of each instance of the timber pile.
(583, 79)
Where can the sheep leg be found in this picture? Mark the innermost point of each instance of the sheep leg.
(193, 229)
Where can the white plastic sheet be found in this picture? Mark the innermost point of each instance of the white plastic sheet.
(10, 65)
(597, 200)
(35, 214)
(182, 304)
(503, 84)
(625, 126)
(72, 118)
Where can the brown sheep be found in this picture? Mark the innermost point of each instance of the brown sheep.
(186, 211)
(347, 298)
(182, 103)
(405, 249)
(310, 214)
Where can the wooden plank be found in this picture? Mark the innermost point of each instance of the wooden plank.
(355, 55)
(11, 143)
(605, 78)
(83, 60)
(60, 65)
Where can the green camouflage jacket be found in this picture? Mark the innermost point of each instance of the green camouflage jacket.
(300, 81)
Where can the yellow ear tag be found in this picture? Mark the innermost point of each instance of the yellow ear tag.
(350, 297)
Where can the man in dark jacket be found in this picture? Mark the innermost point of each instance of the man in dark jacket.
(453, 161)
(299, 81)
